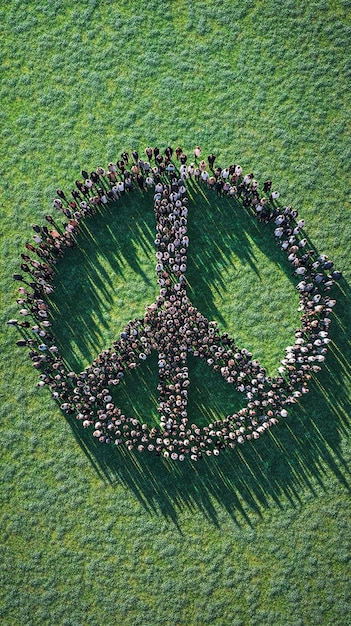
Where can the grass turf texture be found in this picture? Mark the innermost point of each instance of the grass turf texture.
(258, 537)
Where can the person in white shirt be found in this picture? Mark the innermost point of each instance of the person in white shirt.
(204, 176)
(57, 203)
(248, 178)
(183, 171)
(115, 192)
(191, 170)
(197, 153)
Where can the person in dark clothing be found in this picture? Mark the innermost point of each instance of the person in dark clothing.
(266, 213)
(240, 189)
(211, 159)
(76, 195)
(179, 151)
(95, 178)
(50, 219)
(141, 182)
(148, 152)
(169, 152)
(24, 324)
(267, 186)
(85, 191)
(61, 194)
(23, 342)
(219, 187)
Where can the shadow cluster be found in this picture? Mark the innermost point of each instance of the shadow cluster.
(290, 458)
(296, 456)
(86, 277)
(220, 227)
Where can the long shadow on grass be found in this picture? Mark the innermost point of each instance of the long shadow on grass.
(220, 228)
(275, 469)
(88, 276)
(108, 255)
(297, 456)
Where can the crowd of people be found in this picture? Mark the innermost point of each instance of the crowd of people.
(171, 325)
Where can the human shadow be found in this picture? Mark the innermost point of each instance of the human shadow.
(293, 457)
(90, 276)
(220, 227)
(297, 456)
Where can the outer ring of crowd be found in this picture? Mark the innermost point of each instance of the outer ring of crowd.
(87, 395)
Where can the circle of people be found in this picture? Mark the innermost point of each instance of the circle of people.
(171, 324)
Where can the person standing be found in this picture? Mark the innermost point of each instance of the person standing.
(179, 151)
(197, 153)
(169, 152)
(219, 187)
(148, 152)
(267, 186)
(211, 159)
(141, 182)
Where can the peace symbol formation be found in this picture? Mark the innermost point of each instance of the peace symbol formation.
(172, 325)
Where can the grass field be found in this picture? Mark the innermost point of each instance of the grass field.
(91, 535)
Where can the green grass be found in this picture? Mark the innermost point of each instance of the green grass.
(91, 535)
